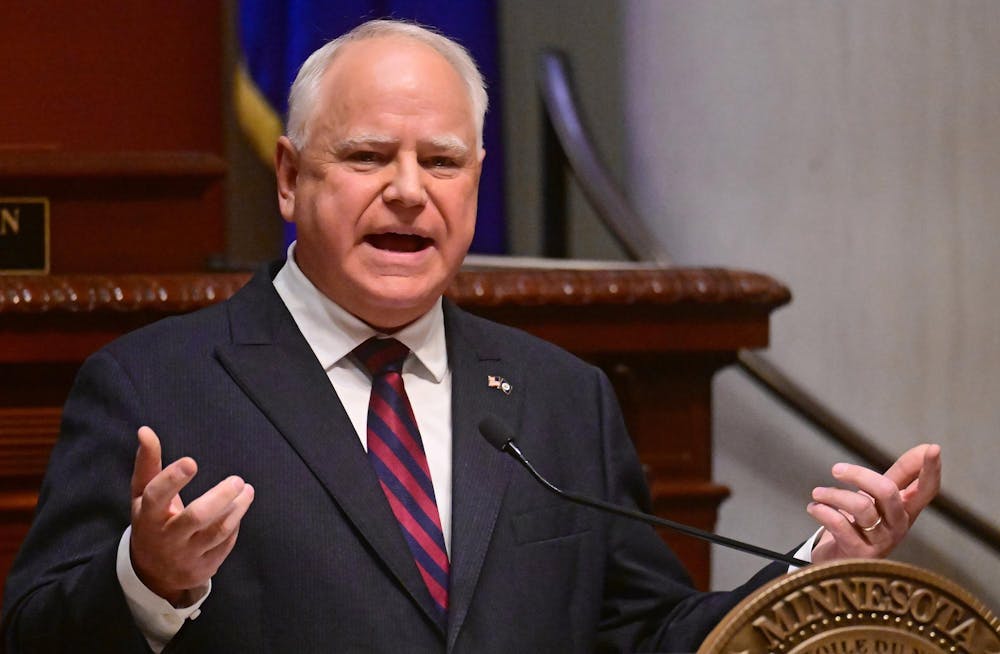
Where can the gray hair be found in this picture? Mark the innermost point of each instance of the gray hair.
(302, 96)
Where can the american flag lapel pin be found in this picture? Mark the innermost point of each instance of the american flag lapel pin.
(494, 381)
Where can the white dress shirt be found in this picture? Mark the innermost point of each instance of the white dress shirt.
(333, 333)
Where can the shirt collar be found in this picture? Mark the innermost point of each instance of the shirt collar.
(333, 333)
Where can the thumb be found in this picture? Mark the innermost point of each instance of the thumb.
(147, 461)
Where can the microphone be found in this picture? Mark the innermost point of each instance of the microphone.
(499, 436)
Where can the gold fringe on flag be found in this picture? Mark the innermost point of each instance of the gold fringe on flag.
(258, 119)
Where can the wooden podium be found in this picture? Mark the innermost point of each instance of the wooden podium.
(660, 334)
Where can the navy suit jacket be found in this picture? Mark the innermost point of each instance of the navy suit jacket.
(320, 564)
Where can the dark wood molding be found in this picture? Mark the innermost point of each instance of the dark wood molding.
(705, 287)
(97, 294)
(652, 286)
(121, 166)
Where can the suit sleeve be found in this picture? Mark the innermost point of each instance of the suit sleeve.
(62, 594)
(649, 602)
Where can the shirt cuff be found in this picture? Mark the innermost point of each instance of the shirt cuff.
(157, 619)
(804, 553)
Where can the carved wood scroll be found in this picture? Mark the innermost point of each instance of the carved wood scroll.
(482, 288)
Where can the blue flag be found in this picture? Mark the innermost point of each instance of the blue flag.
(276, 36)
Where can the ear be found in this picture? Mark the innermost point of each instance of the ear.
(286, 168)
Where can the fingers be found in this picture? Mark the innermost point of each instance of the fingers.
(161, 494)
(225, 536)
(854, 522)
(176, 548)
(908, 466)
(840, 533)
(859, 507)
(213, 517)
(878, 497)
(147, 460)
(209, 546)
(188, 559)
(218, 554)
(873, 519)
(918, 494)
(900, 494)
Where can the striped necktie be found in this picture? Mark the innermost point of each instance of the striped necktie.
(397, 454)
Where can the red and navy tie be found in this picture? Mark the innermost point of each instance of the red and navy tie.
(397, 454)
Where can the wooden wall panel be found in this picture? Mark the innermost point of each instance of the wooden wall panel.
(111, 75)
(113, 111)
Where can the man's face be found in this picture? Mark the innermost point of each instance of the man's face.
(383, 192)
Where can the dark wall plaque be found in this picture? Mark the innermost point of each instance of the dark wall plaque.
(24, 235)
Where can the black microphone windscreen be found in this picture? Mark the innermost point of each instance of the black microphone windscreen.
(497, 433)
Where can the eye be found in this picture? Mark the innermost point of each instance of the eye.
(440, 162)
(364, 157)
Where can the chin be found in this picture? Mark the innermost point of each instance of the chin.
(396, 292)
(392, 308)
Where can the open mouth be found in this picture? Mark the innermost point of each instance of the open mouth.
(394, 242)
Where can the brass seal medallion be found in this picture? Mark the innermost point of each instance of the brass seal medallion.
(858, 607)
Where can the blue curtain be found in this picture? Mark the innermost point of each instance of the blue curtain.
(277, 35)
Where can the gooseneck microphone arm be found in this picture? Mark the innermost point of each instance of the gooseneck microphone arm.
(499, 437)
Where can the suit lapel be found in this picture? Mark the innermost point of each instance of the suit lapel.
(479, 473)
(274, 365)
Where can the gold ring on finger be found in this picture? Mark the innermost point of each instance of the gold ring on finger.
(873, 527)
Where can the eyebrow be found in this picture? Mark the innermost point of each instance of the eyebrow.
(446, 142)
(362, 140)
(451, 143)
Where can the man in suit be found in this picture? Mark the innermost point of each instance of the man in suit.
(273, 399)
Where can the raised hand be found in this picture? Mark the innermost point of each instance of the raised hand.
(871, 521)
(175, 550)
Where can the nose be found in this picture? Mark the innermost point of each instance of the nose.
(406, 187)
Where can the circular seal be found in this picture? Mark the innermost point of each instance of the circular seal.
(858, 607)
